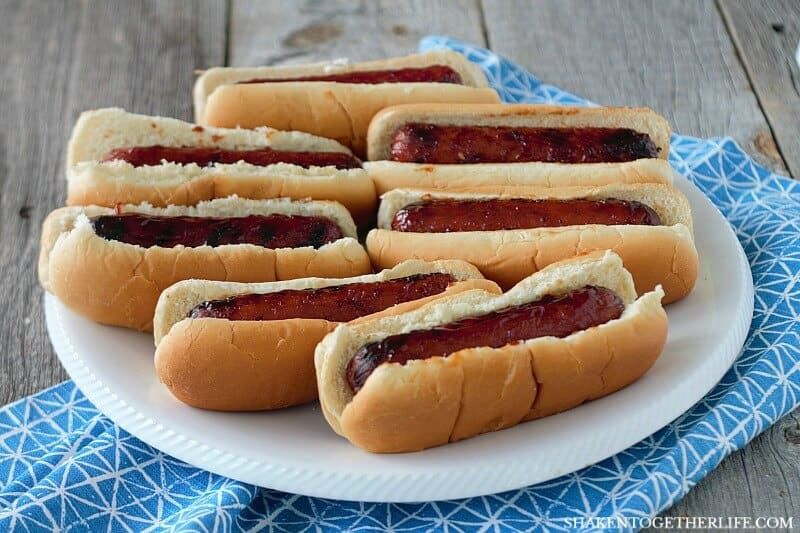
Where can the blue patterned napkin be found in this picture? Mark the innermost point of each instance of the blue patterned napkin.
(64, 465)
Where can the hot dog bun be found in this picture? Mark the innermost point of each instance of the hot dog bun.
(210, 79)
(101, 130)
(229, 365)
(508, 178)
(92, 182)
(117, 283)
(434, 401)
(642, 120)
(340, 111)
(655, 255)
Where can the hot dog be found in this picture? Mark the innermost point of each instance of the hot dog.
(431, 74)
(119, 157)
(269, 231)
(551, 316)
(516, 133)
(111, 264)
(497, 214)
(508, 237)
(476, 362)
(469, 147)
(335, 100)
(140, 156)
(250, 346)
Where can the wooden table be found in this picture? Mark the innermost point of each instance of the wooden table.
(713, 69)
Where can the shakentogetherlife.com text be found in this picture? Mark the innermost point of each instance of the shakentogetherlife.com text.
(681, 523)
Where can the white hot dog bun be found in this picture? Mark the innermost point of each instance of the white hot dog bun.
(655, 255)
(92, 182)
(340, 111)
(117, 283)
(212, 78)
(388, 121)
(510, 178)
(99, 131)
(238, 365)
(430, 402)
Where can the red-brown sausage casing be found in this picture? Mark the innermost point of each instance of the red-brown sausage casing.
(432, 143)
(444, 216)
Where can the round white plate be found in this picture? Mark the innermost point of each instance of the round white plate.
(294, 450)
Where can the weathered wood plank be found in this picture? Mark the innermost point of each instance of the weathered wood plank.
(763, 479)
(276, 32)
(675, 57)
(59, 59)
(34, 79)
(142, 55)
(766, 36)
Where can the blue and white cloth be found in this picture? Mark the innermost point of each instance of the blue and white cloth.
(65, 466)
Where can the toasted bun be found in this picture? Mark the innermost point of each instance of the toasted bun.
(106, 184)
(655, 255)
(340, 111)
(255, 365)
(99, 131)
(118, 283)
(643, 120)
(508, 178)
(434, 401)
(471, 74)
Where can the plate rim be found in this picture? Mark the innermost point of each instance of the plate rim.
(298, 480)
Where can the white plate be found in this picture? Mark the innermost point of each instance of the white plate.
(295, 451)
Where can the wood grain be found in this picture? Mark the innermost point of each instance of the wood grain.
(766, 35)
(34, 82)
(763, 479)
(61, 58)
(143, 55)
(675, 57)
(58, 60)
(276, 32)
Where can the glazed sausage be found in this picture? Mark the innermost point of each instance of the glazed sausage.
(431, 74)
(153, 155)
(430, 143)
(444, 216)
(340, 303)
(269, 231)
(557, 316)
